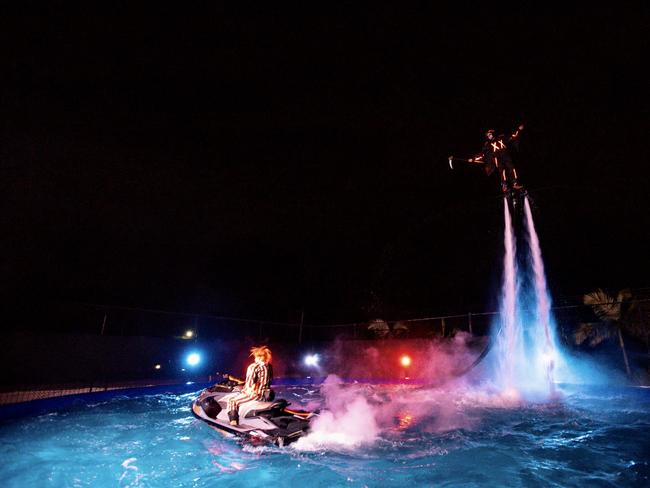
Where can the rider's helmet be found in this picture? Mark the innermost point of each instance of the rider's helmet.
(490, 134)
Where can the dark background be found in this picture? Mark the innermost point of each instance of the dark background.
(256, 163)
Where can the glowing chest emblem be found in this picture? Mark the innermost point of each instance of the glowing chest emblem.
(497, 146)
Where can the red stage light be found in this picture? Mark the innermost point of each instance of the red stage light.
(405, 361)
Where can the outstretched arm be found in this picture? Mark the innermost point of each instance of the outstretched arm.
(515, 135)
(478, 159)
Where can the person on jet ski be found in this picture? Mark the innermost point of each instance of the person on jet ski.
(256, 386)
(496, 155)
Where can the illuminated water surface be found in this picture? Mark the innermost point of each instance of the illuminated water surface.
(460, 436)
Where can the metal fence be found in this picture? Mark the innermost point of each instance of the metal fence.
(90, 347)
(111, 320)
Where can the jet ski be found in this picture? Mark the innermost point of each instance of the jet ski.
(267, 421)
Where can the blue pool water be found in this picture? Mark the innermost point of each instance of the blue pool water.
(374, 436)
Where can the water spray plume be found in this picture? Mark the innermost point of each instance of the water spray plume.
(507, 339)
(526, 351)
(544, 330)
(347, 421)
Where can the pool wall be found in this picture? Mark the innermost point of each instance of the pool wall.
(47, 405)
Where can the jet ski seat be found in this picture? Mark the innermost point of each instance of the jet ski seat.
(252, 409)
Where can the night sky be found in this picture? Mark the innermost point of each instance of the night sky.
(253, 163)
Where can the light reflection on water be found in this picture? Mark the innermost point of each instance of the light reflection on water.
(587, 438)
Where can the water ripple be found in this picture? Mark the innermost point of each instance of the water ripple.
(586, 440)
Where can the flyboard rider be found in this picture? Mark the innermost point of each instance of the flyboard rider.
(495, 155)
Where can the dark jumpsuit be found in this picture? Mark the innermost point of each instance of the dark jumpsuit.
(496, 155)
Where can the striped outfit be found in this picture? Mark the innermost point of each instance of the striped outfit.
(257, 380)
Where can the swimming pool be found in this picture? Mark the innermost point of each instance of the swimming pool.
(367, 435)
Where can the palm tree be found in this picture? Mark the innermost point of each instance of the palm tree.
(593, 333)
(612, 311)
(379, 328)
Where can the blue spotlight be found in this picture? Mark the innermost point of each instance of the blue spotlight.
(193, 359)
(311, 360)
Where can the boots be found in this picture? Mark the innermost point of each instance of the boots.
(233, 415)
